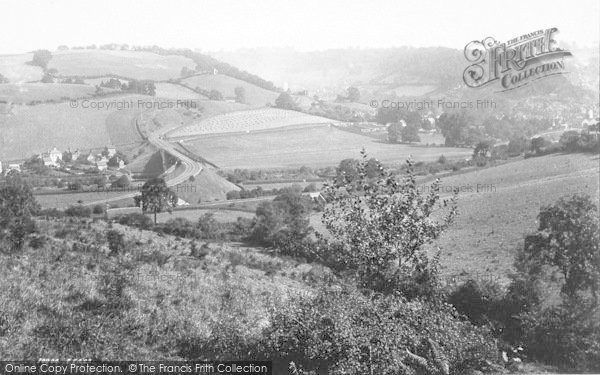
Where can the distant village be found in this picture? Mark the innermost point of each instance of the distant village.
(68, 161)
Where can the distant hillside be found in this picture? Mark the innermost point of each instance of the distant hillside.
(404, 72)
(131, 64)
(377, 69)
(254, 95)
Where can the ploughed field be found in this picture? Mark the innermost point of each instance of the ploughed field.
(310, 145)
(248, 121)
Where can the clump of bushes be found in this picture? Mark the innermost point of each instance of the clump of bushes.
(78, 211)
(345, 332)
(136, 220)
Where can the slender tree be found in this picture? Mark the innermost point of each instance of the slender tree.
(156, 197)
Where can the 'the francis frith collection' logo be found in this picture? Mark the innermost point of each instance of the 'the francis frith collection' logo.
(514, 63)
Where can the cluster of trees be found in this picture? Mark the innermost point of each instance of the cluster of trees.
(208, 63)
(286, 101)
(551, 305)
(144, 87)
(352, 95)
(41, 58)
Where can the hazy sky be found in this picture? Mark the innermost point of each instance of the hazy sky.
(304, 25)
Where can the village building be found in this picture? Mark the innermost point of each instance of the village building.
(101, 165)
(55, 155)
(48, 162)
(13, 167)
(110, 151)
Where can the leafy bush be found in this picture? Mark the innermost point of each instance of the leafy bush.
(140, 221)
(78, 211)
(344, 332)
(98, 209)
(378, 227)
(116, 241)
(478, 301)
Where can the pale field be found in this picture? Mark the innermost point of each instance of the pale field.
(35, 129)
(311, 146)
(255, 96)
(248, 121)
(173, 91)
(15, 69)
(27, 92)
(130, 64)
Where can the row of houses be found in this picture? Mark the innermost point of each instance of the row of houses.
(54, 158)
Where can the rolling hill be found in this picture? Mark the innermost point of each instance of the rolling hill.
(255, 96)
(131, 64)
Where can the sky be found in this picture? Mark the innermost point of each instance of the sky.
(305, 25)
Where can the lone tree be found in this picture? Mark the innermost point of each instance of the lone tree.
(156, 197)
(537, 144)
(378, 227)
(286, 101)
(215, 95)
(568, 240)
(482, 149)
(240, 94)
(17, 205)
(410, 134)
(353, 94)
(41, 58)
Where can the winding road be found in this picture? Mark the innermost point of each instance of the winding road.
(191, 167)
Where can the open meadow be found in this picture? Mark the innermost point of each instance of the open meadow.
(34, 129)
(25, 93)
(312, 146)
(254, 95)
(131, 64)
(16, 69)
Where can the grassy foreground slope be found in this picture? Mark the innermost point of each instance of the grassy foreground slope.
(72, 298)
(313, 146)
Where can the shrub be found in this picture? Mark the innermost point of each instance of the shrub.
(364, 219)
(137, 220)
(116, 241)
(78, 211)
(478, 301)
(37, 241)
(98, 209)
(344, 332)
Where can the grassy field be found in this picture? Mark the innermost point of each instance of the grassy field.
(491, 222)
(24, 93)
(173, 91)
(221, 215)
(248, 121)
(15, 69)
(315, 146)
(255, 96)
(131, 64)
(34, 129)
